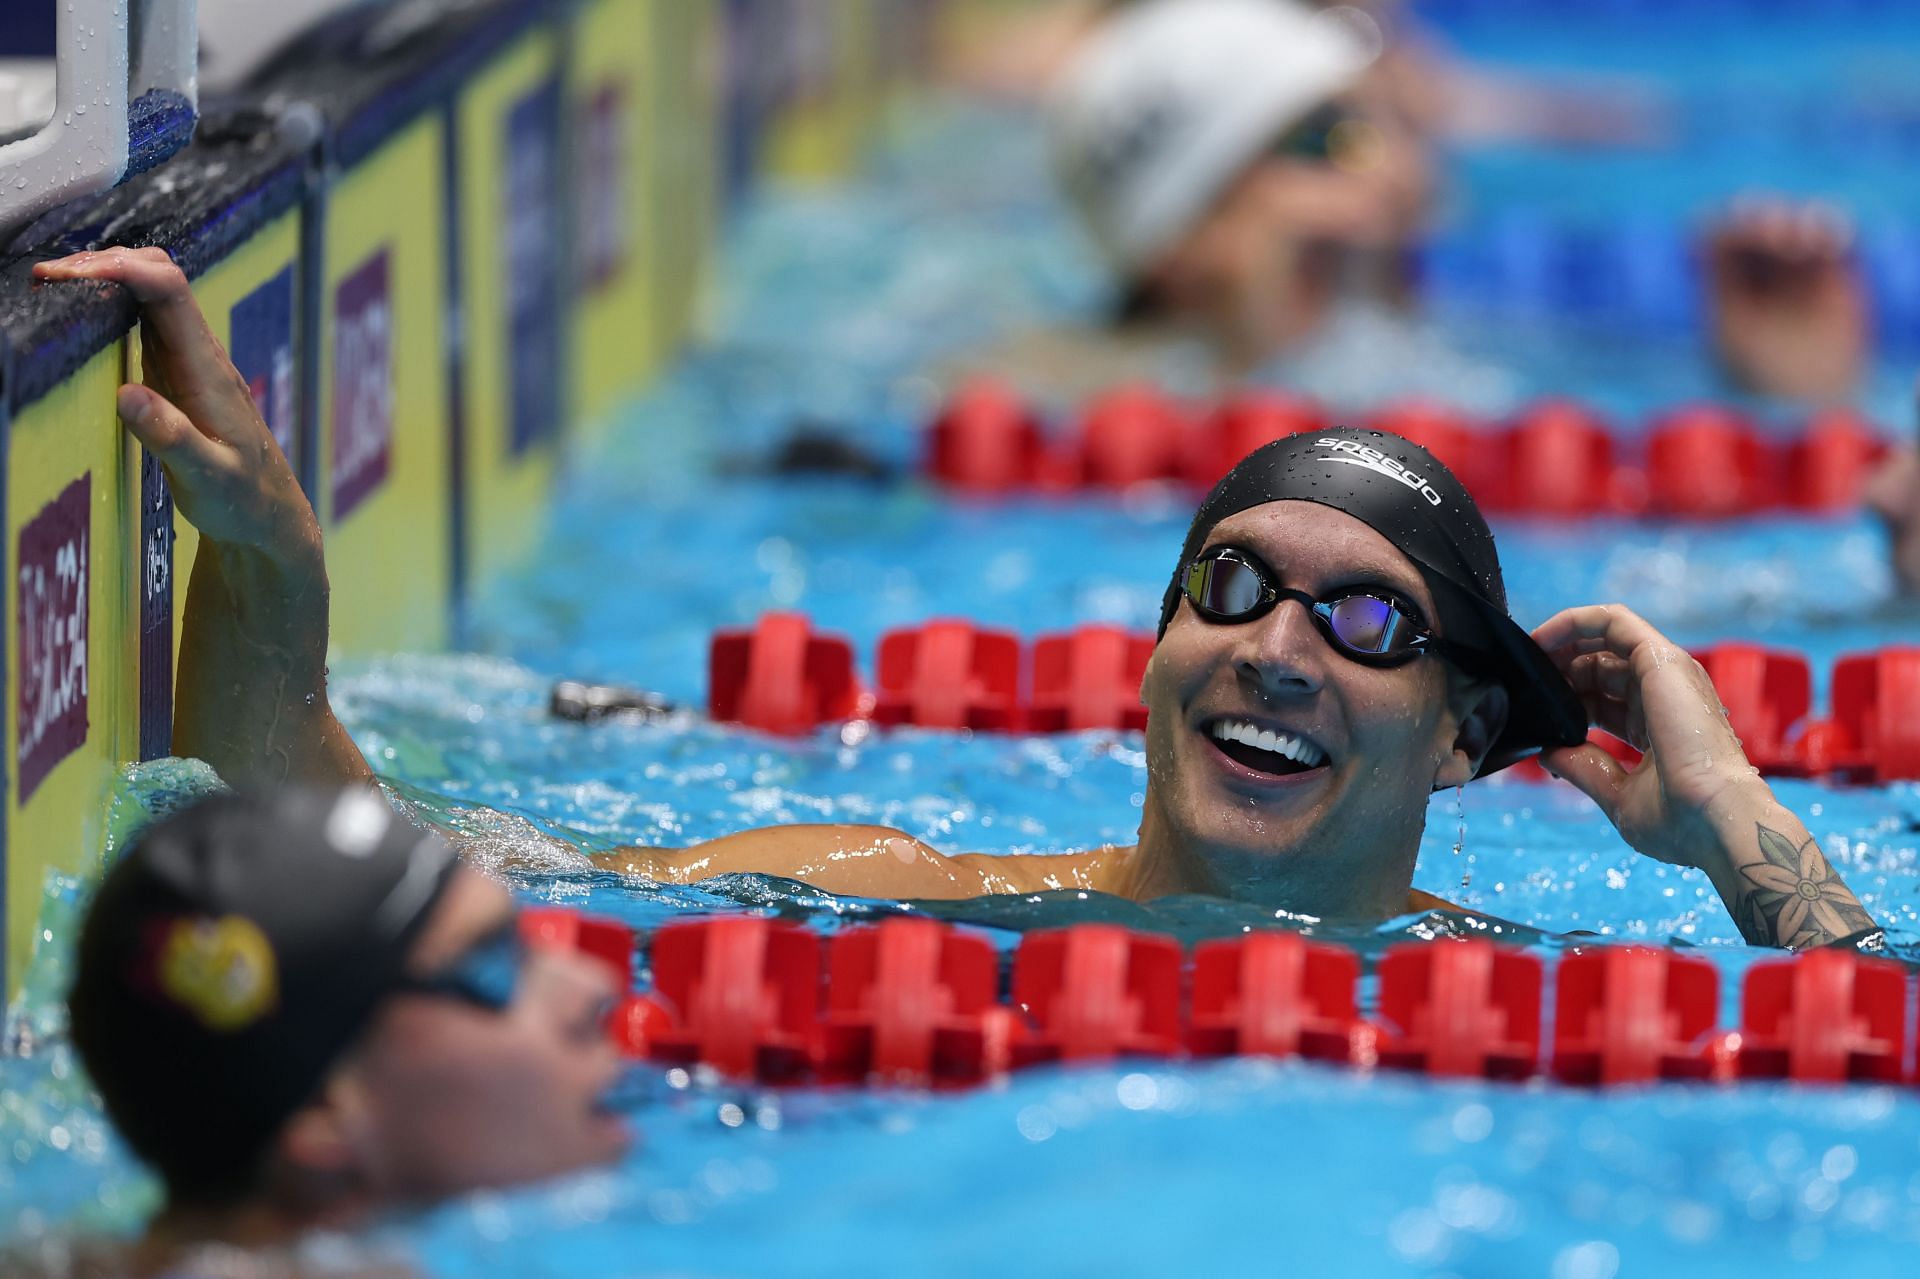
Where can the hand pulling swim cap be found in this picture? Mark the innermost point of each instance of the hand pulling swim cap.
(1405, 494)
(230, 957)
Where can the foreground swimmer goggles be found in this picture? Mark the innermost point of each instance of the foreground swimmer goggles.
(1227, 585)
(486, 975)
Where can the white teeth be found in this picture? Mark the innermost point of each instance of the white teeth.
(1297, 749)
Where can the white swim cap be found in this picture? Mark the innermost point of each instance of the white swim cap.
(1171, 99)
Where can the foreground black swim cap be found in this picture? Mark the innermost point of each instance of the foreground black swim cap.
(231, 956)
(1405, 494)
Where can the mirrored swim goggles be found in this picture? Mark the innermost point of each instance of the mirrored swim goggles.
(1227, 585)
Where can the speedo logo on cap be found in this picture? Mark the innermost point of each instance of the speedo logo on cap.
(1353, 453)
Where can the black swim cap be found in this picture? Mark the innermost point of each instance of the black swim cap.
(231, 956)
(1405, 494)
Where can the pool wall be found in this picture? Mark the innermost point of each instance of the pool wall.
(439, 258)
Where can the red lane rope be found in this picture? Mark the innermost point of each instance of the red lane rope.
(780, 676)
(914, 1002)
(1556, 460)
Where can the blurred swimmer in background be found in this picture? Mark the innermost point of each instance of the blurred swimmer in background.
(1255, 173)
(1334, 646)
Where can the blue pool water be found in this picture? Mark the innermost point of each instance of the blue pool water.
(834, 305)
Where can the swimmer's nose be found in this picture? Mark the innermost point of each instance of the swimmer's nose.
(1283, 653)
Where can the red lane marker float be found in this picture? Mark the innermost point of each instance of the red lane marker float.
(1827, 467)
(606, 941)
(1634, 1014)
(1558, 459)
(1094, 992)
(1461, 1008)
(914, 1003)
(743, 993)
(1874, 734)
(635, 1020)
(1824, 1017)
(949, 674)
(1243, 424)
(1088, 678)
(1767, 694)
(1274, 995)
(1706, 462)
(1133, 434)
(780, 677)
(1559, 463)
(985, 441)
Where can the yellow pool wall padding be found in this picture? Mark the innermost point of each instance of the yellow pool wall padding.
(619, 324)
(71, 432)
(505, 493)
(393, 556)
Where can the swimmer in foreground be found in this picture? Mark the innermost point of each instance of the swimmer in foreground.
(301, 1011)
(1334, 647)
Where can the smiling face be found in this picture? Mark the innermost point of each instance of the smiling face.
(444, 1096)
(1275, 762)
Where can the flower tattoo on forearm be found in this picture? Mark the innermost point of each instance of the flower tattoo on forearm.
(1793, 897)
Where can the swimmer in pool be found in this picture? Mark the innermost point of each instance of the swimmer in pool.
(1334, 647)
(1254, 174)
(301, 1011)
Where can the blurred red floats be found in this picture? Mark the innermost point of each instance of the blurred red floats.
(986, 441)
(1555, 460)
(1706, 462)
(1242, 424)
(913, 1002)
(1131, 435)
(1558, 462)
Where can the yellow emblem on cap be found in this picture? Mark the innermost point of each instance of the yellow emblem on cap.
(222, 970)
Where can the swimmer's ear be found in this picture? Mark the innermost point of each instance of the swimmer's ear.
(317, 1139)
(1484, 719)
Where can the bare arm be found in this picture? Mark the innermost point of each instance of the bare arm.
(1694, 799)
(251, 696)
(868, 861)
